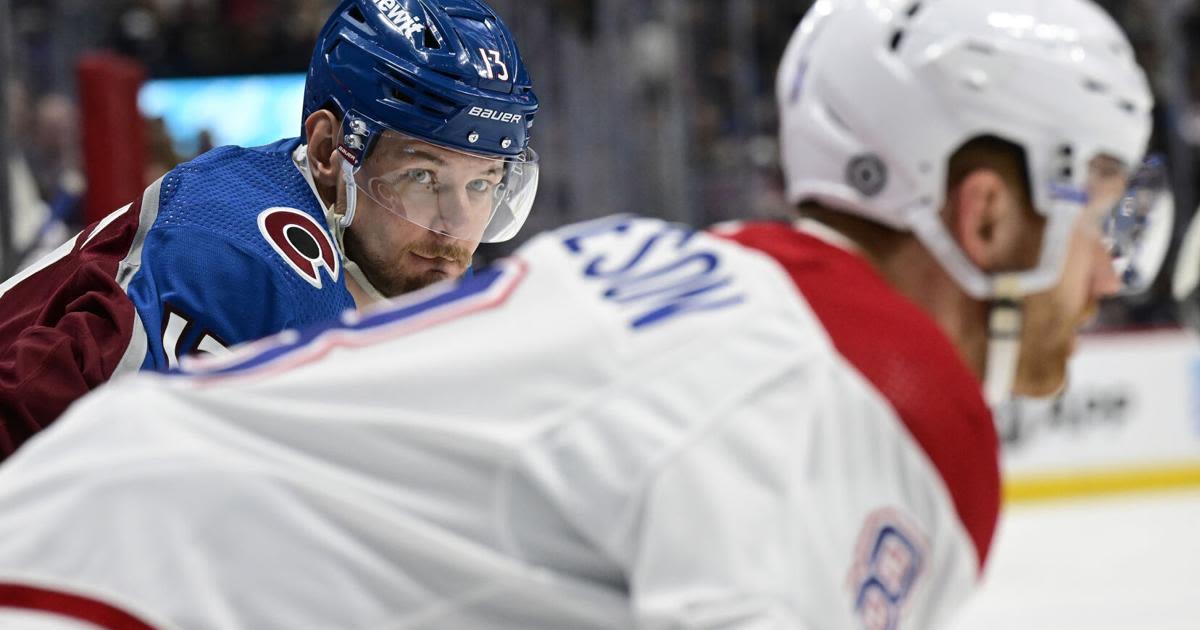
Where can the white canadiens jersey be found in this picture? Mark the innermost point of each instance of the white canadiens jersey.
(626, 425)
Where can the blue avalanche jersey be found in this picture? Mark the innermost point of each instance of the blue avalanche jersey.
(235, 247)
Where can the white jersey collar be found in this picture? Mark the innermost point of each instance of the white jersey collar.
(826, 234)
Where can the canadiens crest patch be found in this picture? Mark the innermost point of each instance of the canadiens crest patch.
(301, 242)
(889, 560)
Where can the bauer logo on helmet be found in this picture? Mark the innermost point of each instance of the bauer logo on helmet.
(491, 114)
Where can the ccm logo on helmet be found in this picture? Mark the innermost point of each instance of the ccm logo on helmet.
(408, 23)
(492, 114)
(302, 244)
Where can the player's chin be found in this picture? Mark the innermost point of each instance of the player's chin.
(433, 276)
(407, 283)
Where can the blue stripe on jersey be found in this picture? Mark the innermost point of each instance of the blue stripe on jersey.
(400, 312)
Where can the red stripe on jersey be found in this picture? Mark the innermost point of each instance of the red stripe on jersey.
(64, 330)
(70, 606)
(395, 323)
(906, 357)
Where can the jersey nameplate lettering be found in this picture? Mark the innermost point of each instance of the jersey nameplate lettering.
(654, 272)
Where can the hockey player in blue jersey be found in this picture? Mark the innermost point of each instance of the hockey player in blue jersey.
(414, 149)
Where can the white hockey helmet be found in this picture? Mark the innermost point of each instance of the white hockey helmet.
(876, 95)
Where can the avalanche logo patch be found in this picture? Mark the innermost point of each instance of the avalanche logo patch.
(888, 562)
(302, 244)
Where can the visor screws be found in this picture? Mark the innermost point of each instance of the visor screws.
(505, 143)
(473, 137)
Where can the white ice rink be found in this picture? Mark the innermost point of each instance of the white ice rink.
(1130, 562)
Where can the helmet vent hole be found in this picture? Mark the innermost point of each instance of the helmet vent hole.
(413, 94)
(402, 97)
(431, 41)
(356, 14)
(1127, 107)
(436, 99)
(1092, 85)
(912, 10)
(897, 39)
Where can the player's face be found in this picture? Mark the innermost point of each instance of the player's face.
(1054, 317)
(421, 212)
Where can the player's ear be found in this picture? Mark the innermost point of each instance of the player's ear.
(977, 213)
(321, 128)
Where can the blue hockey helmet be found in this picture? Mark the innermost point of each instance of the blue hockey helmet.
(445, 72)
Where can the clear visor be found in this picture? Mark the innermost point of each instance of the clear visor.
(1137, 214)
(474, 198)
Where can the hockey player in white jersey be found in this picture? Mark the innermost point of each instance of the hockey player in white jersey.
(630, 424)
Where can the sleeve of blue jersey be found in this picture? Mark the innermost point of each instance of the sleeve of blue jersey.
(218, 287)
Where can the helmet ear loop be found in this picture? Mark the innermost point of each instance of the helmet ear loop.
(347, 218)
(358, 139)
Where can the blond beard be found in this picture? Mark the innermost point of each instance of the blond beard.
(389, 279)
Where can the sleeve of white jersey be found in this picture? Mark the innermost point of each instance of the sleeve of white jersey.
(808, 506)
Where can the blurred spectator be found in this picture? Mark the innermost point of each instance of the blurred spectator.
(29, 211)
(206, 142)
(211, 37)
(52, 143)
(51, 151)
(160, 153)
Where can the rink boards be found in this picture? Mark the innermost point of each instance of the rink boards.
(1128, 422)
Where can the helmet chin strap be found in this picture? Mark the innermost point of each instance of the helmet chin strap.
(340, 222)
(1004, 341)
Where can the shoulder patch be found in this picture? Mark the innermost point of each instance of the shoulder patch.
(889, 560)
(305, 246)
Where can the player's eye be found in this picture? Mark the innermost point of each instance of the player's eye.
(421, 176)
(479, 185)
